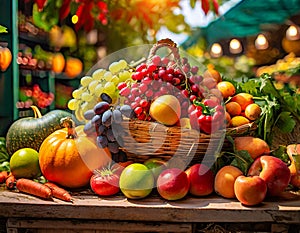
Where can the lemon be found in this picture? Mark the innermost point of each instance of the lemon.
(24, 163)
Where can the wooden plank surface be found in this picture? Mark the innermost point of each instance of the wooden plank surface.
(190, 209)
(97, 226)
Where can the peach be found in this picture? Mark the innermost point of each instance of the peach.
(255, 146)
(250, 190)
(224, 181)
(166, 110)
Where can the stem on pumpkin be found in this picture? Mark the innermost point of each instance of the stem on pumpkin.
(68, 123)
(36, 111)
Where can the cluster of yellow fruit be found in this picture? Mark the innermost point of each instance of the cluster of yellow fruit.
(241, 109)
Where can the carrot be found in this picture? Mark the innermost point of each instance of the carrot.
(59, 192)
(3, 176)
(10, 181)
(33, 188)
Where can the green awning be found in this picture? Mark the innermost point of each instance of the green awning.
(247, 18)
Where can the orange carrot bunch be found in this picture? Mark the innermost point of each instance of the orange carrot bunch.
(3, 176)
(46, 191)
(10, 181)
(59, 192)
(33, 188)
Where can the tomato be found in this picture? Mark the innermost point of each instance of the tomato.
(105, 183)
(117, 168)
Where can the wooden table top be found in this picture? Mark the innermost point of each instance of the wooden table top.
(212, 208)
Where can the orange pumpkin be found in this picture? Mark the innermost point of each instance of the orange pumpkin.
(68, 156)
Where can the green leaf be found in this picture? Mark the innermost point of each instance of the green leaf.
(4, 166)
(222, 159)
(280, 152)
(285, 122)
(73, 7)
(292, 100)
(267, 86)
(250, 87)
(3, 29)
(242, 160)
(193, 3)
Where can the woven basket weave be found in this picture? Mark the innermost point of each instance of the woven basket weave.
(143, 140)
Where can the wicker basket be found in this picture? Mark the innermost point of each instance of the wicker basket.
(143, 140)
(147, 139)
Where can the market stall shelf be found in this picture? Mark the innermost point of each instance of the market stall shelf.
(89, 213)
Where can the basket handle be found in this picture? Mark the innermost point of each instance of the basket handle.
(166, 43)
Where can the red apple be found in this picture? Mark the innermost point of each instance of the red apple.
(173, 184)
(273, 171)
(201, 180)
(250, 190)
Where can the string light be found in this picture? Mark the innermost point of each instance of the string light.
(292, 33)
(261, 42)
(235, 46)
(216, 50)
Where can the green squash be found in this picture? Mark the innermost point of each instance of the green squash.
(30, 132)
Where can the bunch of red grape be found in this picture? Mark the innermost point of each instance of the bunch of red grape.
(159, 76)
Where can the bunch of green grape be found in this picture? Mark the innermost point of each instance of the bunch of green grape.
(100, 81)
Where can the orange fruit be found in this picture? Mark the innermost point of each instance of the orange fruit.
(224, 181)
(210, 83)
(226, 88)
(73, 67)
(253, 111)
(243, 99)
(58, 63)
(238, 121)
(211, 72)
(166, 110)
(233, 108)
(227, 119)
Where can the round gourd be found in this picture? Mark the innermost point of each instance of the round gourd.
(68, 156)
(29, 132)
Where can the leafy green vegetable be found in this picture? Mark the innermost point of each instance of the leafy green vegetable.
(280, 107)
(4, 166)
(250, 87)
(4, 156)
(287, 122)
